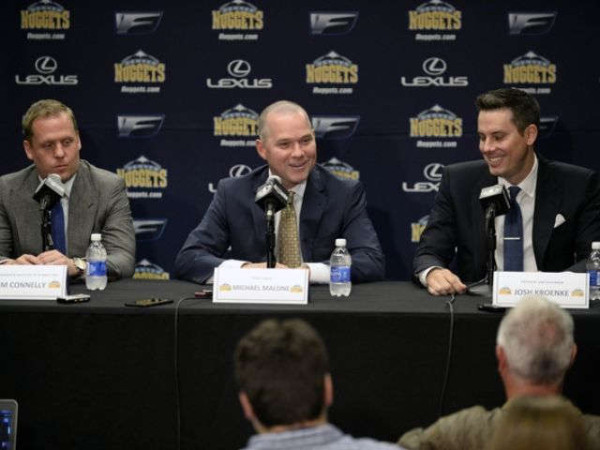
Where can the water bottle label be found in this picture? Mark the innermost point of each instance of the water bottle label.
(594, 278)
(97, 268)
(340, 274)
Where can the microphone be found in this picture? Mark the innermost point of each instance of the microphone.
(272, 196)
(49, 191)
(495, 198)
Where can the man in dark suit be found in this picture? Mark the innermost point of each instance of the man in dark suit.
(95, 200)
(326, 208)
(558, 204)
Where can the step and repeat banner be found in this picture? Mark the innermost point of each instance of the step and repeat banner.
(167, 94)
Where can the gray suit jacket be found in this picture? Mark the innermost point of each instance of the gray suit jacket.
(98, 204)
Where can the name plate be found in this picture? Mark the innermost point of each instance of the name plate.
(567, 289)
(32, 282)
(274, 286)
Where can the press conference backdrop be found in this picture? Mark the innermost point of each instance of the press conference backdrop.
(167, 94)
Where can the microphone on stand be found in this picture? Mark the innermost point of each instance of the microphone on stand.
(49, 191)
(271, 197)
(47, 194)
(495, 202)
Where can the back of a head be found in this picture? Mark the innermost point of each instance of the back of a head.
(281, 366)
(537, 338)
(546, 422)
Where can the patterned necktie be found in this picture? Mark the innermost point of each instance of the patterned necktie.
(57, 217)
(513, 234)
(287, 236)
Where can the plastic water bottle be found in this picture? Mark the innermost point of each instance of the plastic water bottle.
(340, 284)
(593, 268)
(95, 275)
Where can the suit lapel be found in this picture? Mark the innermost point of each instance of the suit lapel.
(28, 216)
(82, 203)
(313, 207)
(258, 215)
(479, 218)
(546, 207)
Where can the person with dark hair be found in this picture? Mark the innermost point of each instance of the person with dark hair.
(555, 207)
(548, 422)
(282, 368)
(321, 208)
(94, 201)
(534, 348)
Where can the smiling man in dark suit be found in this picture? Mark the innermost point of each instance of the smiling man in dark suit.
(95, 200)
(557, 204)
(325, 208)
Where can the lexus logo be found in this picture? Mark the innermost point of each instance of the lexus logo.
(239, 170)
(433, 171)
(434, 66)
(239, 68)
(46, 64)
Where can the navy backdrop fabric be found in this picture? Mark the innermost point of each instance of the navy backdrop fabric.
(167, 94)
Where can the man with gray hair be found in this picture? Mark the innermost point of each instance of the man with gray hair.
(534, 349)
(321, 209)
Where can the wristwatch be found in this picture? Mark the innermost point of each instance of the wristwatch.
(80, 265)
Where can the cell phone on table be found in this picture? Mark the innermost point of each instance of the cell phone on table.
(490, 307)
(74, 298)
(146, 302)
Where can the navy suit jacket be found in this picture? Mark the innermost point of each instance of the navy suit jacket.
(331, 208)
(456, 223)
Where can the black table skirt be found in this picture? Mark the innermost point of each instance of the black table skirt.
(102, 375)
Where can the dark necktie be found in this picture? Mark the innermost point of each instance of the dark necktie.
(287, 236)
(513, 234)
(57, 217)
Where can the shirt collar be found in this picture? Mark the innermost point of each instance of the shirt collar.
(528, 185)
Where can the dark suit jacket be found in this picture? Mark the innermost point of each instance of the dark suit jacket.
(457, 221)
(331, 209)
(98, 204)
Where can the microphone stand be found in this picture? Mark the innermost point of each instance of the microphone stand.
(47, 242)
(270, 236)
(484, 287)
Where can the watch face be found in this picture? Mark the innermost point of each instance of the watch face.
(79, 263)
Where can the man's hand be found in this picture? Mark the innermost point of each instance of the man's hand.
(56, 258)
(25, 260)
(444, 282)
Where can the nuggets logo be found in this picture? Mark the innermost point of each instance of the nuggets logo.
(435, 15)
(577, 293)
(341, 169)
(144, 178)
(45, 15)
(140, 68)
(145, 270)
(505, 291)
(54, 285)
(416, 229)
(237, 121)
(332, 69)
(436, 122)
(530, 69)
(238, 15)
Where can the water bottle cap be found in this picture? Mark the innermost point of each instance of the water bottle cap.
(596, 245)
(340, 242)
(96, 237)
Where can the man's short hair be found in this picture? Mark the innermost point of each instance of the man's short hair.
(45, 108)
(537, 338)
(284, 106)
(525, 108)
(281, 366)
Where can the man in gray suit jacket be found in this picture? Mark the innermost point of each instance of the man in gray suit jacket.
(95, 200)
(232, 232)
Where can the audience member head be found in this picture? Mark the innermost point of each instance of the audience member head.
(548, 422)
(525, 108)
(535, 347)
(283, 373)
